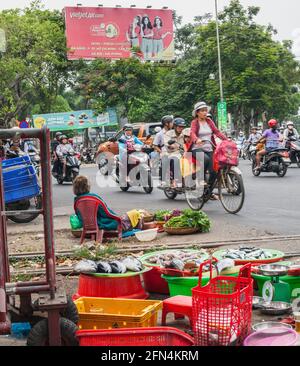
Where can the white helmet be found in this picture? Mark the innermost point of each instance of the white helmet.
(186, 132)
(157, 129)
(290, 123)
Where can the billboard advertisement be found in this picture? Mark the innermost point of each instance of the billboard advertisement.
(116, 33)
(75, 120)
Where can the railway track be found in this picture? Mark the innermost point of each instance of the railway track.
(134, 248)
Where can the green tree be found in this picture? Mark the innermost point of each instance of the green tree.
(34, 68)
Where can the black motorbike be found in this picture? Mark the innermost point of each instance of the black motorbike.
(293, 146)
(276, 161)
(72, 169)
(87, 156)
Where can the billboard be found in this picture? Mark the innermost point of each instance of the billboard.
(115, 33)
(75, 120)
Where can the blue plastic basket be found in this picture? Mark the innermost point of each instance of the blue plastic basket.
(19, 179)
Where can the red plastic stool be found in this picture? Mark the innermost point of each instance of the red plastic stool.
(179, 305)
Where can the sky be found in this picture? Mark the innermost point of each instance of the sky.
(283, 15)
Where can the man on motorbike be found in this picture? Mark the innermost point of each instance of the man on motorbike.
(63, 149)
(254, 136)
(54, 145)
(160, 143)
(174, 147)
(290, 131)
(272, 138)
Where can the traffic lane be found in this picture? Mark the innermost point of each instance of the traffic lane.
(271, 205)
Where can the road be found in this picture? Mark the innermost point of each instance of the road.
(271, 206)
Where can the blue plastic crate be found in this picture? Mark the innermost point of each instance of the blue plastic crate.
(19, 179)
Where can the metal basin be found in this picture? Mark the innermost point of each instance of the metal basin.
(266, 325)
(273, 270)
(275, 308)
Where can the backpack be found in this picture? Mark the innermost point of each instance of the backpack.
(227, 153)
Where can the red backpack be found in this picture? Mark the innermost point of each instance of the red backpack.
(227, 153)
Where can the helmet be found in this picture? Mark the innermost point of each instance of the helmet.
(209, 115)
(167, 119)
(179, 122)
(186, 132)
(70, 140)
(290, 123)
(157, 129)
(241, 133)
(58, 134)
(127, 127)
(272, 123)
(63, 137)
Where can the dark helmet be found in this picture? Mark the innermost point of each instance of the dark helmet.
(127, 127)
(179, 122)
(167, 119)
(63, 137)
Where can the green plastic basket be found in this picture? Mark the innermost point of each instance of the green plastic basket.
(183, 285)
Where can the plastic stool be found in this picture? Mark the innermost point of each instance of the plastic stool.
(179, 305)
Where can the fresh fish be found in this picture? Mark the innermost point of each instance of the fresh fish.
(85, 266)
(117, 267)
(103, 267)
(177, 264)
(133, 264)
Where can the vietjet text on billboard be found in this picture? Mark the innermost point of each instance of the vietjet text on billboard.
(114, 33)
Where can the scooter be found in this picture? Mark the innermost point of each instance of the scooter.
(72, 169)
(137, 160)
(293, 146)
(87, 156)
(277, 161)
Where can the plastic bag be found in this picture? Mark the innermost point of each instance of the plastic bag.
(75, 222)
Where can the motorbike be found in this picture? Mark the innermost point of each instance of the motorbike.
(34, 203)
(137, 159)
(72, 169)
(241, 147)
(293, 146)
(277, 161)
(87, 156)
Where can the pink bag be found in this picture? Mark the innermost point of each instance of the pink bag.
(227, 153)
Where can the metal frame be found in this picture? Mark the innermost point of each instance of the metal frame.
(49, 299)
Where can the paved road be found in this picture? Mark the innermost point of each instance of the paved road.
(271, 205)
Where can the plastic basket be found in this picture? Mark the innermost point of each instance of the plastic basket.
(19, 179)
(158, 336)
(108, 313)
(222, 309)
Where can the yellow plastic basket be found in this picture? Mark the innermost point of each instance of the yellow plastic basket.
(109, 313)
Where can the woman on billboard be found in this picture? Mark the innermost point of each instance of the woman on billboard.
(158, 36)
(134, 31)
(147, 37)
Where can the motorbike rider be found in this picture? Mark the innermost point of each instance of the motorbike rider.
(272, 138)
(290, 131)
(160, 143)
(203, 132)
(254, 136)
(175, 142)
(128, 140)
(63, 149)
(54, 145)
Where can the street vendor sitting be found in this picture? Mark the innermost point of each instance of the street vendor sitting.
(106, 217)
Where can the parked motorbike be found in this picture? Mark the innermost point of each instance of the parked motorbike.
(277, 161)
(138, 158)
(293, 146)
(72, 169)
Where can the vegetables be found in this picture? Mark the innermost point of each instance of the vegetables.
(161, 214)
(190, 219)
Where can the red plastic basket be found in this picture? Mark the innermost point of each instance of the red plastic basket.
(222, 309)
(156, 336)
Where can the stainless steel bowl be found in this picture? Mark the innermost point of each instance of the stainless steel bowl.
(276, 308)
(273, 270)
(257, 302)
(266, 325)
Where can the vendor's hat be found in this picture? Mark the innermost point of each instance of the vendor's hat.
(199, 105)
